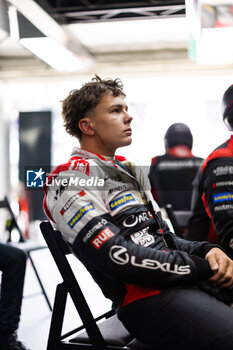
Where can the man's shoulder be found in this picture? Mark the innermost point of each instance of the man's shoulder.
(222, 154)
(76, 168)
(155, 160)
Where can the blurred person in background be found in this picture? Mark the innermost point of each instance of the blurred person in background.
(171, 175)
(12, 265)
(212, 201)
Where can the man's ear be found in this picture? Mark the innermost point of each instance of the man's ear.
(85, 126)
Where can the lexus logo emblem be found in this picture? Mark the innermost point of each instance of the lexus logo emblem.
(118, 255)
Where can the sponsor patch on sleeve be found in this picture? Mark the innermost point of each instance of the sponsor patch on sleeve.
(223, 197)
(71, 201)
(102, 237)
(120, 201)
(222, 184)
(80, 214)
(223, 170)
(223, 207)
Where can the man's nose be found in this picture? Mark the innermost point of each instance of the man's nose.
(128, 118)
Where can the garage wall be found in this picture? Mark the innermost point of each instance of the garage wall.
(156, 100)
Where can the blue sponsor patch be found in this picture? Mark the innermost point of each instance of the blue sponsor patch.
(80, 214)
(223, 197)
(118, 202)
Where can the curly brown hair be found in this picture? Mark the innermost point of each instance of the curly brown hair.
(80, 101)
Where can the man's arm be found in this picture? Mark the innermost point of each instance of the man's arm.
(91, 230)
(199, 224)
(222, 267)
(218, 198)
(220, 264)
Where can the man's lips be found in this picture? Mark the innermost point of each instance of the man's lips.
(128, 131)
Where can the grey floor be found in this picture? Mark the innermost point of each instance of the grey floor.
(35, 315)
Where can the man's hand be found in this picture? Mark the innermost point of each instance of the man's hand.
(222, 267)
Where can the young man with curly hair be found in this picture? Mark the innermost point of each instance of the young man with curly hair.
(159, 284)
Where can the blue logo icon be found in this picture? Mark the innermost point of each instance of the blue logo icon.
(35, 178)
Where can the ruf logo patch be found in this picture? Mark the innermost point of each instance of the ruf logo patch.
(102, 237)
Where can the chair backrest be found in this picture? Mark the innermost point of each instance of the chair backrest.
(59, 250)
(109, 334)
(179, 219)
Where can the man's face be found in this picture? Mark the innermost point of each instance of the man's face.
(111, 122)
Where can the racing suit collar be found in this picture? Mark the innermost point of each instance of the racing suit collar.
(91, 155)
(87, 154)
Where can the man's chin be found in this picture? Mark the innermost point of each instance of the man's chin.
(127, 142)
(129, 139)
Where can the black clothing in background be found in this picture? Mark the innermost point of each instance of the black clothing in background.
(171, 176)
(12, 265)
(212, 201)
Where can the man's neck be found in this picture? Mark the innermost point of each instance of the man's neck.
(96, 148)
(180, 151)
